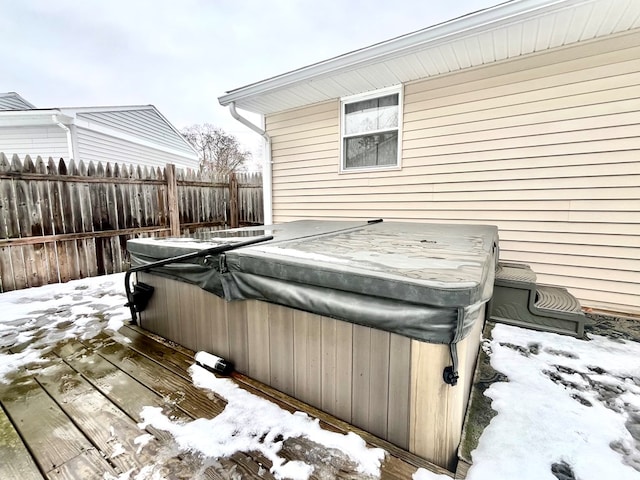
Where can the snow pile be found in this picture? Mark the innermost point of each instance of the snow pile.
(34, 320)
(571, 409)
(249, 423)
(423, 474)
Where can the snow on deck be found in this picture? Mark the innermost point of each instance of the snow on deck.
(35, 322)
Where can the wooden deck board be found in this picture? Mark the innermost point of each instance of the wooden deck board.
(104, 424)
(87, 466)
(122, 390)
(94, 391)
(399, 460)
(50, 434)
(190, 399)
(22, 465)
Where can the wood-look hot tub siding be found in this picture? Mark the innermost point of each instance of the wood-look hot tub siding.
(385, 383)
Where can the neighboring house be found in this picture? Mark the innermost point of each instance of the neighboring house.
(137, 134)
(13, 101)
(525, 115)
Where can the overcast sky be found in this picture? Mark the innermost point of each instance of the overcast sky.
(181, 55)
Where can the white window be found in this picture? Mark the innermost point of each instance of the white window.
(371, 130)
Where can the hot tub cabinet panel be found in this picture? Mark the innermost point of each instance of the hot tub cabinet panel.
(385, 383)
(359, 319)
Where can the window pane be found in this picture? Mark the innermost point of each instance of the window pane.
(380, 149)
(370, 115)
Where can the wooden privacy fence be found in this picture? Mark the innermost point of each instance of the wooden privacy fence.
(60, 221)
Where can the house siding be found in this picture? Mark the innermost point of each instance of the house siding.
(546, 147)
(145, 124)
(98, 147)
(34, 141)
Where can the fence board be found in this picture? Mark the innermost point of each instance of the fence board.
(5, 196)
(68, 211)
(13, 227)
(18, 266)
(87, 221)
(62, 221)
(39, 273)
(40, 192)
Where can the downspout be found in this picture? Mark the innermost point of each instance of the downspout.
(68, 132)
(267, 185)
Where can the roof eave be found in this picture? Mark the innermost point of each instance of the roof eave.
(482, 20)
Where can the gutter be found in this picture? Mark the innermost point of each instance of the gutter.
(68, 132)
(267, 184)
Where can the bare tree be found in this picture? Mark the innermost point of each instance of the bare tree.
(218, 151)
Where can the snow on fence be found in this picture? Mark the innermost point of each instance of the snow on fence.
(62, 221)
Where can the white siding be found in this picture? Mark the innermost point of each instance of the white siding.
(546, 147)
(144, 124)
(97, 147)
(43, 141)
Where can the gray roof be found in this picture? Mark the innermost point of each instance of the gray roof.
(143, 121)
(13, 101)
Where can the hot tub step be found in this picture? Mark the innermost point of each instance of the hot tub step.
(514, 272)
(556, 299)
(519, 300)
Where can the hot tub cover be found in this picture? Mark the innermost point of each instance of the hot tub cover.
(422, 280)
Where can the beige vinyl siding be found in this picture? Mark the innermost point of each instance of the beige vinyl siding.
(98, 147)
(41, 141)
(546, 147)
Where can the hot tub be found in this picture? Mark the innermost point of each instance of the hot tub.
(364, 320)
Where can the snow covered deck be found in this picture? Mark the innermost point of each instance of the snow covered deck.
(84, 396)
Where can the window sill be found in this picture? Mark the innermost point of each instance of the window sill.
(390, 168)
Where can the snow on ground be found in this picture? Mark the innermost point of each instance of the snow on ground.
(34, 320)
(570, 406)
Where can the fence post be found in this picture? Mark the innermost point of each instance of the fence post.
(172, 199)
(233, 201)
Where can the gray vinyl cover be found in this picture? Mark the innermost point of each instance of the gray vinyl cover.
(423, 281)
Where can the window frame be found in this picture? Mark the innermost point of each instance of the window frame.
(382, 92)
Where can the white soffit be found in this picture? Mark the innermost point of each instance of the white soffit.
(505, 31)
